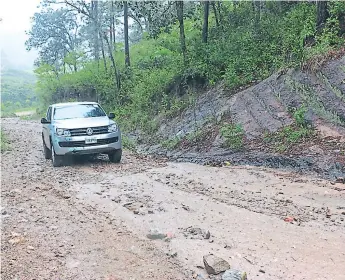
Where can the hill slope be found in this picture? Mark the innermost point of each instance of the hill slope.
(264, 111)
(17, 89)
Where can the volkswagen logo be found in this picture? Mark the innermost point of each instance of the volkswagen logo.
(89, 131)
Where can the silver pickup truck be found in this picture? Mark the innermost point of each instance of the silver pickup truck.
(79, 128)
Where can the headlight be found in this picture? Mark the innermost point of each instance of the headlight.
(66, 133)
(112, 128)
(63, 132)
(59, 131)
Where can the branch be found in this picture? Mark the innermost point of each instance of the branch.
(86, 13)
(136, 20)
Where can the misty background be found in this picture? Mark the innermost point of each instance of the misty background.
(15, 20)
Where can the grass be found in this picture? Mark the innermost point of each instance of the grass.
(5, 114)
(5, 145)
(171, 144)
(194, 136)
(11, 113)
(233, 135)
(128, 143)
(27, 109)
(334, 89)
(284, 139)
(311, 98)
(34, 116)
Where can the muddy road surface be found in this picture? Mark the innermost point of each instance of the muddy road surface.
(91, 220)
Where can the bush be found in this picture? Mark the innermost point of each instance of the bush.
(241, 50)
(171, 144)
(284, 139)
(5, 145)
(128, 143)
(300, 116)
(233, 135)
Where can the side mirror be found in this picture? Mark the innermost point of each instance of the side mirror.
(44, 121)
(111, 116)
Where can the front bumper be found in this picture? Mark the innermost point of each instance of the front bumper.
(76, 145)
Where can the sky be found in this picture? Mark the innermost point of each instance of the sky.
(15, 20)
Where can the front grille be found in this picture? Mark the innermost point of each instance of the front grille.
(82, 131)
(74, 144)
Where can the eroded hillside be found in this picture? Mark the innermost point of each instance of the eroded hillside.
(267, 110)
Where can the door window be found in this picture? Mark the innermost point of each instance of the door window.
(49, 114)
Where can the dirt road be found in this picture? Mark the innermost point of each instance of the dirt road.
(91, 220)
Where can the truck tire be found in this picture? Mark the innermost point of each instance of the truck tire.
(115, 156)
(46, 151)
(57, 160)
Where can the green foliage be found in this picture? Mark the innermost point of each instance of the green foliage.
(284, 139)
(173, 106)
(5, 145)
(194, 136)
(309, 97)
(54, 32)
(34, 116)
(233, 135)
(7, 112)
(300, 116)
(17, 91)
(128, 143)
(171, 144)
(244, 48)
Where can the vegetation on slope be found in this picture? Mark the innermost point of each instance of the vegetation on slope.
(17, 91)
(174, 47)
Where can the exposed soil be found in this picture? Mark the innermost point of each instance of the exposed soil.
(266, 106)
(260, 109)
(91, 220)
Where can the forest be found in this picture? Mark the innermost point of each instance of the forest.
(17, 90)
(142, 59)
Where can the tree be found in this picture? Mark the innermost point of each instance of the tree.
(179, 9)
(322, 15)
(112, 23)
(205, 25)
(95, 28)
(125, 23)
(117, 75)
(55, 33)
(152, 16)
(215, 12)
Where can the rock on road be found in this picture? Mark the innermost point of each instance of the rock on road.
(91, 220)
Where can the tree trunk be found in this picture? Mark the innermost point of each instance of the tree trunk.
(94, 8)
(111, 31)
(125, 20)
(322, 15)
(103, 56)
(341, 19)
(257, 18)
(117, 76)
(220, 13)
(179, 9)
(113, 21)
(205, 25)
(257, 10)
(215, 13)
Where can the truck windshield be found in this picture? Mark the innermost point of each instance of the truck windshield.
(78, 111)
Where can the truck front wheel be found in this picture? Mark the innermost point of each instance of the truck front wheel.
(57, 160)
(115, 156)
